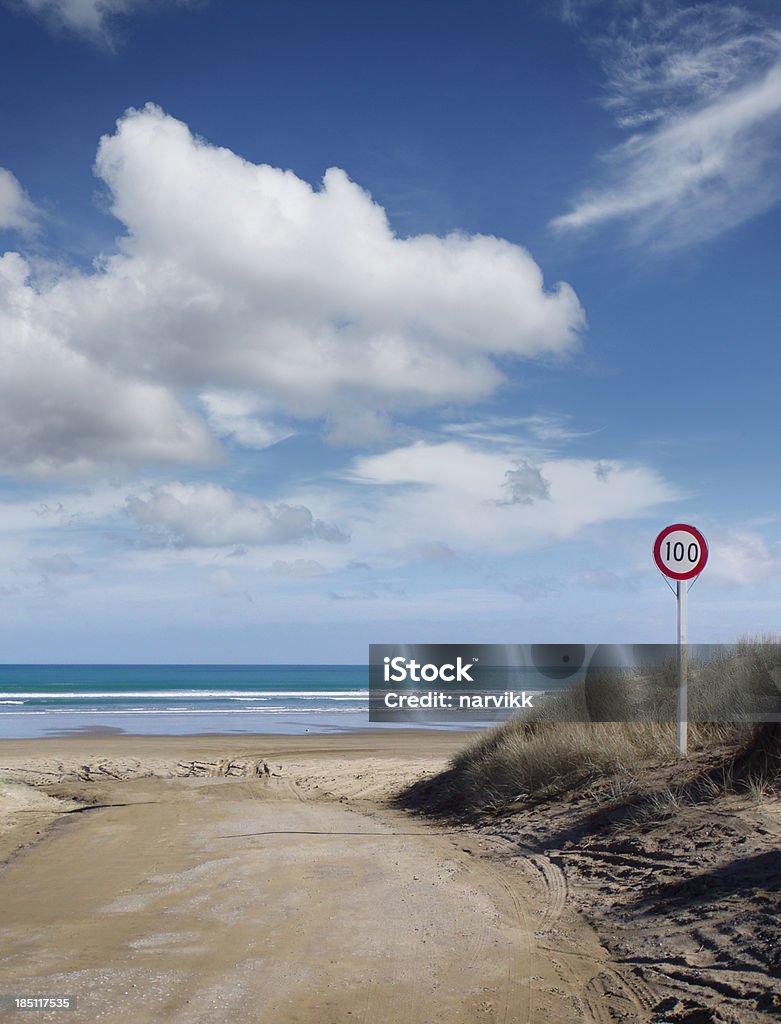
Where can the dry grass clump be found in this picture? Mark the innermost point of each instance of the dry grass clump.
(612, 762)
(740, 682)
(554, 752)
(541, 759)
(520, 760)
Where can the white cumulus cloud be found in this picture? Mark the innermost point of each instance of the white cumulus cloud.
(207, 515)
(246, 286)
(62, 412)
(313, 295)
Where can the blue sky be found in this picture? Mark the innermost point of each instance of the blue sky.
(332, 324)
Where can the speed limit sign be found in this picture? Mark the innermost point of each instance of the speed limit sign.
(680, 552)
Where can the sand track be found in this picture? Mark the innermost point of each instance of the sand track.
(219, 899)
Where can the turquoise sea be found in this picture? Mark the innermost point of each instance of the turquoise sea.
(44, 700)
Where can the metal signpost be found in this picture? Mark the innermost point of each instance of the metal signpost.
(680, 553)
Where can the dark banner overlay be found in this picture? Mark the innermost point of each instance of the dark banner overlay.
(455, 683)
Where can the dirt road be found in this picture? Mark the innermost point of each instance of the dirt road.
(195, 900)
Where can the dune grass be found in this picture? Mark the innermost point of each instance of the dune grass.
(553, 752)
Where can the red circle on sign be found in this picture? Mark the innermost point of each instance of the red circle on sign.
(693, 570)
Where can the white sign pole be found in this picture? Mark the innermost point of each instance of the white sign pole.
(680, 553)
(683, 681)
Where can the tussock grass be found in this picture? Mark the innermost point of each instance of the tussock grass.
(527, 759)
(739, 683)
(539, 759)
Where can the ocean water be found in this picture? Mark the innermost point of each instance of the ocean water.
(45, 700)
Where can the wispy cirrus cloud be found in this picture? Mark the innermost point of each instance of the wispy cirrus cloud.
(743, 557)
(17, 212)
(699, 87)
(477, 496)
(91, 18)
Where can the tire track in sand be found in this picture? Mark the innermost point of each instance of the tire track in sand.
(601, 991)
(255, 902)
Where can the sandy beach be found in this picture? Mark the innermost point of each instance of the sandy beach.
(173, 880)
(189, 892)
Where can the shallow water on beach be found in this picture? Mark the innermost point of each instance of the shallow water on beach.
(154, 700)
(39, 700)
